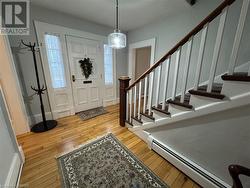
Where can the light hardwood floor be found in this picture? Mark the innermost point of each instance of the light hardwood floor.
(40, 168)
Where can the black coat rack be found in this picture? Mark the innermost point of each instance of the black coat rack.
(45, 125)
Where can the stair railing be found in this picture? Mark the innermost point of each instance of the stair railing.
(133, 94)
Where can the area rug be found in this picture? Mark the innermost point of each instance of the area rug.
(105, 162)
(88, 114)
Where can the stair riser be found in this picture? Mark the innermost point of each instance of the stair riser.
(136, 123)
(234, 88)
(145, 119)
(198, 101)
(158, 115)
(175, 109)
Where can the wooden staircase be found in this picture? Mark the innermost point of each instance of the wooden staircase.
(150, 102)
(158, 100)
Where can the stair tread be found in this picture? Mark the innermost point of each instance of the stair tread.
(202, 91)
(207, 94)
(186, 98)
(237, 76)
(159, 108)
(185, 104)
(137, 119)
(150, 116)
(216, 88)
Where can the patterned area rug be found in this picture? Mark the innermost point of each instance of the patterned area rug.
(105, 162)
(88, 114)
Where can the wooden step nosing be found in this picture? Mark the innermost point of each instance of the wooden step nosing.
(239, 78)
(162, 111)
(207, 94)
(180, 104)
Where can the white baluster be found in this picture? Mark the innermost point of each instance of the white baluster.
(158, 81)
(176, 72)
(165, 84)
(135, 101)
(139, 100)
(217, 49)
(127, 106)
(186, 69)
(130, 105)
(200, 57)
(150, 94)
(145, 94)
(238, 36)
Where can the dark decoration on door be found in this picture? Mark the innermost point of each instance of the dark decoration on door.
(87, 67)
(45, 125)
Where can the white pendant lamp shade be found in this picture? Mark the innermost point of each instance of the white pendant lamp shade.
(117, 40)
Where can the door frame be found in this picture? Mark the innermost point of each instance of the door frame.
(11, 87)
(40, 29)
(132, 55)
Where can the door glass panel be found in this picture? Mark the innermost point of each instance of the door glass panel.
(108, 65)
(55, 60)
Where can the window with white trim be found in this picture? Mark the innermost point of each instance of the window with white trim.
(108, 65)
(55, 61)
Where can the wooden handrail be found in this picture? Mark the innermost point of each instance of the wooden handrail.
(199, 27)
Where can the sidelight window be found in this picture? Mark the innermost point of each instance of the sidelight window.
(55, 61)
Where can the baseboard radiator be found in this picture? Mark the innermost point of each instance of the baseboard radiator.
(191, 169)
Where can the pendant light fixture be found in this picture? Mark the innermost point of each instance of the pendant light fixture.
(117, 39)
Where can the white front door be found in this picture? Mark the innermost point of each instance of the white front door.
(87, 92)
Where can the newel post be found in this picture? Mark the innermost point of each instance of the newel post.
(124, 83)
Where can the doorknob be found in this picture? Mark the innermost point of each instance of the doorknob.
(73, 78)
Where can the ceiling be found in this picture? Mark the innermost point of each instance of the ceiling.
(133, 13)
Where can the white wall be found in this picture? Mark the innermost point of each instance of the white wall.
(213, 141)
(23, 58)
(8, 148)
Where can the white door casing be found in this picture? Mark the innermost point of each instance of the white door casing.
(87, 93)
(64, 97)
(132, 51)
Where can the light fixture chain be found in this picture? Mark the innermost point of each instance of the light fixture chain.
(117, 16)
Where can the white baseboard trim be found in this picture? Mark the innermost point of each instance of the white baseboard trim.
(12, 179)
(21, 153)
(193, 170)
